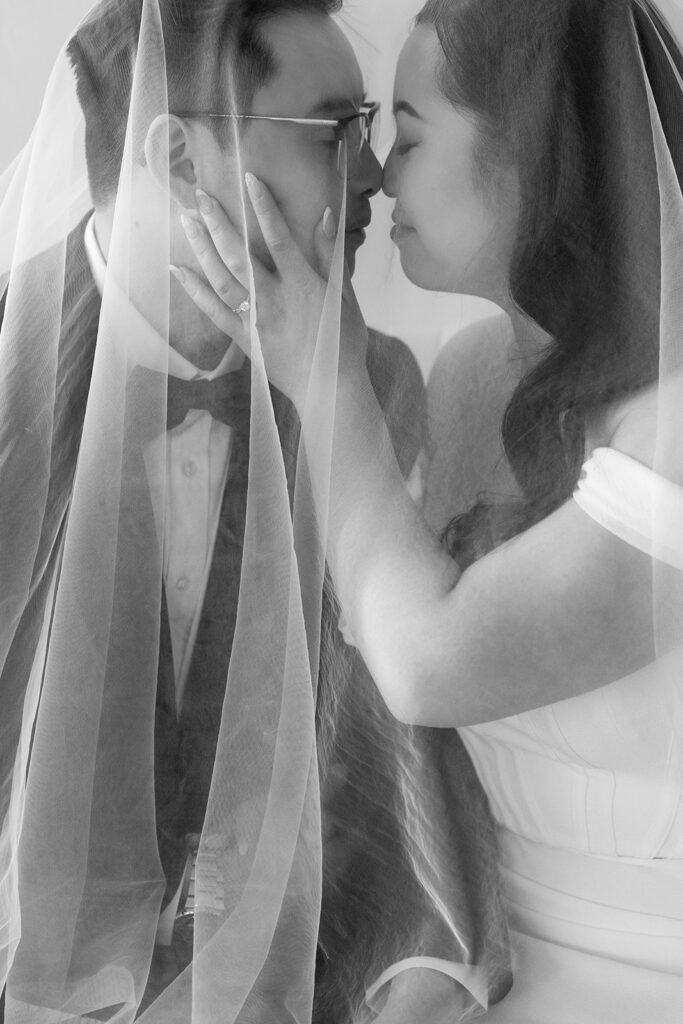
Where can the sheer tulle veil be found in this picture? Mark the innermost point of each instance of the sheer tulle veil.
(82, 563)
(82, 881)
(81, 599)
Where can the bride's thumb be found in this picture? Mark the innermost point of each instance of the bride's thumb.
(325, 235)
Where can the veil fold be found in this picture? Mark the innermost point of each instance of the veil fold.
(328, 843)
(92, 855)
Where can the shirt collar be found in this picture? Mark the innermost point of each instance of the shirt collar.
(144, 345)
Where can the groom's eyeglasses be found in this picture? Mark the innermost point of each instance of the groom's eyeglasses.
(349, 133)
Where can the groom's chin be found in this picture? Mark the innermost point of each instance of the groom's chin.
(351, 247)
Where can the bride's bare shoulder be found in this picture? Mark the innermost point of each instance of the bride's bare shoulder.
(473, 354)
(468, 389)
(634, 424)
(472, 371)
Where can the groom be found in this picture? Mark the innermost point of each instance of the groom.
(379, 926)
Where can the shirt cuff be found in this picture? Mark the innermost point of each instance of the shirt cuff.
(471, 976)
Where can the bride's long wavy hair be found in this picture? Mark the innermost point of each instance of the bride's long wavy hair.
(558, 87)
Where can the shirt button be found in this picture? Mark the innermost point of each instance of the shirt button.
(189, 467)
(182, 583)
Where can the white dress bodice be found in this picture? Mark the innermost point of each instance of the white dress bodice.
(600, 772)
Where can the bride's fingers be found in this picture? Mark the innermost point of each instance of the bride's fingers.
(228, 241)
(221, 279)
(323, 242)
(205, 298)
(286, 254)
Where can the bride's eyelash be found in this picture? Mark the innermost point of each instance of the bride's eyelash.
(404, 148)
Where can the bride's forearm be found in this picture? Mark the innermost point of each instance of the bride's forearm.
(389, 569)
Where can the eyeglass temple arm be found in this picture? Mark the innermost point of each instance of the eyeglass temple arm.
(317, 121)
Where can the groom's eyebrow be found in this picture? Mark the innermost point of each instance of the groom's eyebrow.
(335, 106)
(403, 107)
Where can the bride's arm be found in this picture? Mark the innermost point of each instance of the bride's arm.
(563, 608)
(559, 610)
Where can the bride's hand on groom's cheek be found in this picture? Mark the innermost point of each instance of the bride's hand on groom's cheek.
(289, 307)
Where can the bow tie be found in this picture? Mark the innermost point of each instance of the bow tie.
(227, 398)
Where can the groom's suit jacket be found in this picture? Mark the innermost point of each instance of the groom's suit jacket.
(380, 878)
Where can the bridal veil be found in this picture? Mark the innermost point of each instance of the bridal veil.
(84, 369)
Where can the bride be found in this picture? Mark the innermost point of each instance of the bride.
(537, 163)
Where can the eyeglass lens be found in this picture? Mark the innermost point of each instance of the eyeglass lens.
(357, 131)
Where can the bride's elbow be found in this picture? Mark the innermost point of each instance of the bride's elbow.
(404, 707)
(415, 697)
(424, 685)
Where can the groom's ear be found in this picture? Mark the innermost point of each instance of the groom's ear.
(168, 153)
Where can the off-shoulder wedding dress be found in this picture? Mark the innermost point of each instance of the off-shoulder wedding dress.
(587, 792)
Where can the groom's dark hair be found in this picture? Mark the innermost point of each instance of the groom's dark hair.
(216, 57)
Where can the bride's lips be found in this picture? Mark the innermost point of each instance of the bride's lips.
(398, 230)
(399, 227)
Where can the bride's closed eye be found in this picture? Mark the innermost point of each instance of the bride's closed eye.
(403, 146)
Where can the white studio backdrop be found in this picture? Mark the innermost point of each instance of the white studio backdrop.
(31, 34)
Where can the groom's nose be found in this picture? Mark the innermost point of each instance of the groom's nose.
(389, 176)
(367, 179)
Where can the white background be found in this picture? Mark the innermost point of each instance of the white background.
(31, 33)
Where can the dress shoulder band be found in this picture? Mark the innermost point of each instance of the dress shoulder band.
(634, 503)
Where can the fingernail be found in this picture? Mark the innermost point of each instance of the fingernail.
(177, 272)
(329, 226)
(204, 202)
(190, 226)
(254, 186)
